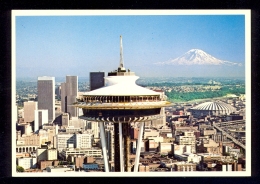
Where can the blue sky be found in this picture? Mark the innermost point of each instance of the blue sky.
(76, 45)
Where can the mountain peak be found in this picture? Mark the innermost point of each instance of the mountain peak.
(197, 57)
(196, 50)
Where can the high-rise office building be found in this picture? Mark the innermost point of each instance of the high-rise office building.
(46, 96)
(63, 96)
(58, 91)
(29, 108)
(69, 93)
(65, 119)
(41, 118)
(96, 80)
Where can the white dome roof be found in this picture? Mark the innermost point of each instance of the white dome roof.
(218, 106)
(121, 86)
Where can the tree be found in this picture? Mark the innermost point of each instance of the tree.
(19, 168)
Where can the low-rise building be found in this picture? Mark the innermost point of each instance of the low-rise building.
(58, 169)
(165, 148)
(189, 157)
(144, 168)
(41, 154)
(78, 160)
(52, 154)
(188, 139)
(27, 162)
(209, 146)
(184, 166)
(46, 163)
(88, 152)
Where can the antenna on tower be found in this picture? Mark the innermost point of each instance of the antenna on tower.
(121, 65)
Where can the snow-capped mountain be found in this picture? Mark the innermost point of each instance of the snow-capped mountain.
(197, 57)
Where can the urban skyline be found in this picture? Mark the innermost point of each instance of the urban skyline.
(66, 66)
(67, 44)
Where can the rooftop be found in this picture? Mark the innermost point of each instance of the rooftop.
(218, 106)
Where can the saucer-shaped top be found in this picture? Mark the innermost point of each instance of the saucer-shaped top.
(121, 86)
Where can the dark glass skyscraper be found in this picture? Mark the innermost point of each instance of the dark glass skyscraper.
(69, 93)
(46, 96)
(96, 80)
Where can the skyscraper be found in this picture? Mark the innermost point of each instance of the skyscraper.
(46, 96)
(41, 118)
(96, 80)
(58, 91)
(69, 93)
(29, 108)
(63, 96)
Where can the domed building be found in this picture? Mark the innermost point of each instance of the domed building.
(212, 108)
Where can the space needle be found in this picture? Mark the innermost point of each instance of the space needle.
(122, 102)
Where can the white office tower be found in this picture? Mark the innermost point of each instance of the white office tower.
(41, 118)
(84, 140)
(46, 96)
(64, 140)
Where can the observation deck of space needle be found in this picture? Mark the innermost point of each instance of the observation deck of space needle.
(122, 102)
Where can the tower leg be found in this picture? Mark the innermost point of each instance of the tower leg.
(137, 156)
(116, 148)
(121, 148)
(103, 143)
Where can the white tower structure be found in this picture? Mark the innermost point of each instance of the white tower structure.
(122, 102)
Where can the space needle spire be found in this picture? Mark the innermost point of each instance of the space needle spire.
(121, 64)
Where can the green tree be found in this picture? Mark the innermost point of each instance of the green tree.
(19, 168)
